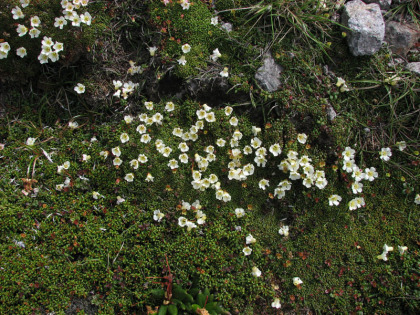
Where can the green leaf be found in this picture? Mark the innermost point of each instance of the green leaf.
(201, 299)
(163, 309)
(181, 294)
(173, 310)
(158, 293)
(213, 306)
(179, 303)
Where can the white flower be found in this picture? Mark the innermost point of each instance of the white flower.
(182, 221)
(402, 249)
(385, 154)
(383, 256)
(256, 272)
(220, 142)
(387, 248)
(85, 157)
(255, 143)
(116, 151)
(129, 177)
(157, 215)
(104, 154)
(276, 303)
(86, 18)
(275, 149)
(117, 161)
(66, 165)
(75, 20)
(216, 55)
(239, 212)
(24, 3)
(17, 13)
(145, 138)
(149, 178)
(79, 88)
(59, 187)
(247, 251)
(169, 107)
(134, 164)
(233, 121)
(182, 60)
(348, 165)
(186, 48)
(357, 187)
(142, 158)
(401, 145)
(124, 137)
(297, 281)
(22, 30)
(148, 105)
(190, 225)
(284, 230)
(185, 4)
(4, 47)
(417, 199)
(152, 51)
(263, 183)
(183, 147)
(120, 200)
(166, 151)
(173, 164)
(256, 130)
(371, 174)
(183, 158)
(96, 195)
(128, 119)
(214, 21)
(30, 141)
(60, 22)
(360, 202)
(225, 72)
(334, 200)
(53, 56)
(348, 154)
(353, 205)
(301, 137)
(250, 239)
(35, 21)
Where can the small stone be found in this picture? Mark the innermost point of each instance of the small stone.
(268, 75)
(331, 114)
(401, 37)
(367, 27)
(413, 67)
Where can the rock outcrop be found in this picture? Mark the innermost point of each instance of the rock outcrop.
(367, 27)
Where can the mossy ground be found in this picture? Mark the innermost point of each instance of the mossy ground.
(84, 251)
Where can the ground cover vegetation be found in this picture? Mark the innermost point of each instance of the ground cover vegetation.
(145, 170)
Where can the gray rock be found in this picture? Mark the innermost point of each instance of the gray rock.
(401, 37)
(413, 67)
(367, 27)
(383, 4)
(331, 114)
(268, 75)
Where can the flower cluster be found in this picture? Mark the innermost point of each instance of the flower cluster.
(124, 89)
(387, 249)
(200, 216)
(50, 50)
(350, 166)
